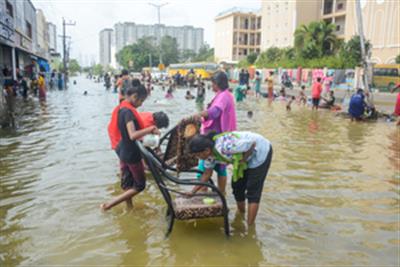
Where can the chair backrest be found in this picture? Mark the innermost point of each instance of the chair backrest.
(176, 147)
(157, 171)
(171, 148)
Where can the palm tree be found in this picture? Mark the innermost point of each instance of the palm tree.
(315, 39)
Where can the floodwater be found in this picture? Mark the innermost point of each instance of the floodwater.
(331, 198)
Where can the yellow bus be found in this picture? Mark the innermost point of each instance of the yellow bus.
(200, 68)
(385, 76)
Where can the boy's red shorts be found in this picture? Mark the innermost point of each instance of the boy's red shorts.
(133, 176)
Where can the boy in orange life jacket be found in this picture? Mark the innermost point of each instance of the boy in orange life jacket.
(131, 126)
(158, 119)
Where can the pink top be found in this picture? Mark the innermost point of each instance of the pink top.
(226, 122)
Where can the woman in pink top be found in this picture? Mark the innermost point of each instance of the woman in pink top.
(220, 116)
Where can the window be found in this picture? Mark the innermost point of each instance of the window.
(245, 52)
(337, 28)
(340, 6)
(9, 9)
(28, 29)
(386, 72)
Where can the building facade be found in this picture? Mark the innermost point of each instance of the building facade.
(42, 45)
(52, 30)
(237, 34)
(106, 43)
(187, 37)
(24, 38)
(381, 20)
(281, 18)
(381, 23)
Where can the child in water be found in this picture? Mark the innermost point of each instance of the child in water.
(169, 95)
(289, 104)
(302, 95)
(189, 95)
(131, 126)
(249, 153)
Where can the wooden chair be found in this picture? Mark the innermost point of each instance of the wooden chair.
(180, 206)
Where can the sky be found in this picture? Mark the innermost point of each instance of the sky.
(91, 16)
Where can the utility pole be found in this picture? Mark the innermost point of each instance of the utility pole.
(65, 60)
(362, 43)
(158, 7)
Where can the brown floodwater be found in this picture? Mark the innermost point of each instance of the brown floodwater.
(331, 197)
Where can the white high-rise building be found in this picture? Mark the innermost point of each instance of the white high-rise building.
(106, 41)
(187, 37)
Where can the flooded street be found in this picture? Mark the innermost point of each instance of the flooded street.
(331, 197)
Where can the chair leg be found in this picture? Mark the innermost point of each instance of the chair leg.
(226, 224)
(171, 220)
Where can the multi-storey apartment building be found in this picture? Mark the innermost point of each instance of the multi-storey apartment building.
(237, 34)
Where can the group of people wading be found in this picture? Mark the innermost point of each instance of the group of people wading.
(219, 144)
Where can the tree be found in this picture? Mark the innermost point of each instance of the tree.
(187, 55)
(270, 55)
(398, 59)
(251, 58)
(74, 66)
(98, 69)
(137, 56)
(316, 39)
(205, 53)
(169, 48)
(351, 51)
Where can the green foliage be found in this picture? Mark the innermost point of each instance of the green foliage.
(170, 53)
(251, 58)
(86, 69)
(74, 66)
(316, 46)
(315, 40)
(243, 63)
(351, 50)
(98, 69)
(398, 59)
(137, 56)
(187, 55)
(205, 54)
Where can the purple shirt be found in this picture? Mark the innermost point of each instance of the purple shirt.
(221, 114)
(213, 114)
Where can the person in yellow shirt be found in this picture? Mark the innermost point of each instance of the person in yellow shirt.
(42, 87)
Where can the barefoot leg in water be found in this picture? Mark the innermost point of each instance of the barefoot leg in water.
(126, 196)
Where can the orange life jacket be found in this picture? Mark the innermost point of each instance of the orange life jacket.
(147, 118)
(113, 130)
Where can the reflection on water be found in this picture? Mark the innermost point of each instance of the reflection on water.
(331, 196)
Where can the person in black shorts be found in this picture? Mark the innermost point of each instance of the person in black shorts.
(251, 156)
(131, 126)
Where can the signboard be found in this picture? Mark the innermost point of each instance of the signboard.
(23, 42)
(7, 30)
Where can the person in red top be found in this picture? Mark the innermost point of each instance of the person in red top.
(316, 93)
(397, 107)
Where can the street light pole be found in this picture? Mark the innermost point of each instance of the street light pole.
(362, 43)
(158, 7)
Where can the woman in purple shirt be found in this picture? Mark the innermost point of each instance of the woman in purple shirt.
(220, 116)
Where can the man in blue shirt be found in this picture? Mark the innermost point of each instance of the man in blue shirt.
(357, 105)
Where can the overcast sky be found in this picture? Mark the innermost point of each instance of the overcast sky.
(91, 16)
